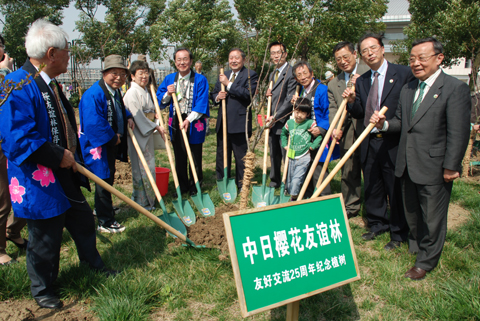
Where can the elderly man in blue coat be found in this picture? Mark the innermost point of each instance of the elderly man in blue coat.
(103, 135)
(38, 132)
(191, 90)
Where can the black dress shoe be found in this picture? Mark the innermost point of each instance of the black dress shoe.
(49, 302)
(20, 246)
(392, 245)
(350, 215)
(192, 193)
(369, 236)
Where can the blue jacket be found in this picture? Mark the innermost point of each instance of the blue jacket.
(320, 106)
(97, 136)
(199, 104)
(35, 189)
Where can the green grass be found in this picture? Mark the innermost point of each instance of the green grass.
(161, 280)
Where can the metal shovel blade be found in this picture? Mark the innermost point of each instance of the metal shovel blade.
(203, 202)
(172, 220)
(184, 209)
(283, 197)
(227, 188)
(263, 195)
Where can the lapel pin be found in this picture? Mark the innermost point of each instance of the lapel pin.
(435, 96)
(391, 80)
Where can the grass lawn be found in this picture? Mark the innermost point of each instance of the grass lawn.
(163, 281)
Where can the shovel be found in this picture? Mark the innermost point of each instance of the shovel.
(202, 201)
(137, 207)
(169, 218)
(183, 207)
(264, 195)
(285, 198)
(226, 186)
(332, 143)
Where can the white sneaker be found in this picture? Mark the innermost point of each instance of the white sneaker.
(115, 227)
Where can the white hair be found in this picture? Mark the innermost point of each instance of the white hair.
(42, 35)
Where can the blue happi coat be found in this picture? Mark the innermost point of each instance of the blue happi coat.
(35, 190)
(320, 106)
(199, 104)
(97, 130)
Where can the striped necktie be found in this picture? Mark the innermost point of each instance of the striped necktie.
(417, 102)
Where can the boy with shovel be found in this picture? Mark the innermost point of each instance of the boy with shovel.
(298, 151)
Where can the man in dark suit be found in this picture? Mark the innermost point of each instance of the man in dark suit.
(284, 85)
(433, 117)
(380, 86)
(239, 91)
(346, 58)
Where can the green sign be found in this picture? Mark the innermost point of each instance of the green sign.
(283, 253)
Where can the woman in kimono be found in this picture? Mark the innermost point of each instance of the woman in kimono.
(140, 104)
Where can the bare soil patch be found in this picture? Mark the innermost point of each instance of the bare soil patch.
(210, 231)
(13, 310)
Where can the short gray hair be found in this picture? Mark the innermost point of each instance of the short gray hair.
(42, 35)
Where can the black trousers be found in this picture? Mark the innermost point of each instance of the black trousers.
(381, 186)
(426, 208)
(236, 143)
(181, 159)
(277, 154)
(103, 198)
(45, 238)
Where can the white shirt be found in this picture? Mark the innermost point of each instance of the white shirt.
(428, 84)
(230, 83)
(166, 98)
(347, 75)
(281, 68)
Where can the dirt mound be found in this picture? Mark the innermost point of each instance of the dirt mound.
(123, 173)
(210, 231)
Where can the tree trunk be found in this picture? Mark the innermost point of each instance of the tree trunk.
(468, 153)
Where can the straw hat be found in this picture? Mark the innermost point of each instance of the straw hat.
(114, 61)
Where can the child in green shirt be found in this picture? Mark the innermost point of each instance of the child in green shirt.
(300, 145)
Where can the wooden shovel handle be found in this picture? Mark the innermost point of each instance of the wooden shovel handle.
(330, 150)
(340, 110)
(267, 131)
(185, 138)
(145, 165)
(347, 155)
(285, 166)
(167, 136)
(224, 124)
(127, 200)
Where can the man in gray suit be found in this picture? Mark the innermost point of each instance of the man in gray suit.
(346, 58)
(433, 116)
(284, 85)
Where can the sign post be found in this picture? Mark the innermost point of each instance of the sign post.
(283, 253)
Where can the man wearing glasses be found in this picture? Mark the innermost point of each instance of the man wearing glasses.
(284, 85)
(433, 117)
(378, 87)
(103, 135)
(346, 58)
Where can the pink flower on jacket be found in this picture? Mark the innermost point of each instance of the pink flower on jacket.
(170, 120)
(43, 175)
(199, 126)
(79, 129)
(96, 152)
(16, 191)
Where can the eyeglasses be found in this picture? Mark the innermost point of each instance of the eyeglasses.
(116, 75)
(373, 48)
(180, 60)
(141, 73)
(276, 53)
(66, 49)
(344, 57)
(421, 59)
